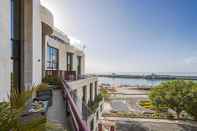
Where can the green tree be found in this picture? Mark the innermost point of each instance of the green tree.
(172, 94)
(191, 102)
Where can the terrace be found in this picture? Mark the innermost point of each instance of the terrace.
(79, 114)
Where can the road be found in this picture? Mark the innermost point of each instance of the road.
(138, 124)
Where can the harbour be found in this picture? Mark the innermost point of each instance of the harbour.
(143, 79)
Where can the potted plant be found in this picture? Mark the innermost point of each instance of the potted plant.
(43, 93)
(52, 80)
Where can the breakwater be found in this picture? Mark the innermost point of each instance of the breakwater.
(152, 76)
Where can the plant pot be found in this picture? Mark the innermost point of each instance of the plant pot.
(45, 95)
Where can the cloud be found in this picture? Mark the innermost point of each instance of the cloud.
(191, 60)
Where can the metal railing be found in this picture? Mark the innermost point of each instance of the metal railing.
(78, 122)
(66, 75)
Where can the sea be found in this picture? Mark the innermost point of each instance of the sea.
(139, 81)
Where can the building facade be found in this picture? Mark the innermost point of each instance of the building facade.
(31, 48)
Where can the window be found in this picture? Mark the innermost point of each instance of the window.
(91, 92)
(84, 94)
(96, 90)
(92, 124)
(78, 65)
(74, 95)
(52, 62)
(97, 115)
(69, 61)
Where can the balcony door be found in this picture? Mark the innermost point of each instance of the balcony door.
(69, 61)
(91, 92)
(52, 62)
(84, 98)
(79, 66)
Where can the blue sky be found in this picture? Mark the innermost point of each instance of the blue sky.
(131, 35)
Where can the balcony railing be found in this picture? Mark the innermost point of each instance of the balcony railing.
(78, 122)
(66, 75)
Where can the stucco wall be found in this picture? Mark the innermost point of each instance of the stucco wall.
(5, 49)
(26, 61)
(37, 44)
(32, 43)
(46, 16)
(63, 49)
(78, 87)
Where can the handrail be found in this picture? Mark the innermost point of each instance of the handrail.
(79, 123)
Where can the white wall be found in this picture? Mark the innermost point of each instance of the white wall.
(37, 44)
(78, 86)
(5, 49)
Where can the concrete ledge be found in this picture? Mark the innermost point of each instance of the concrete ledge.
(82, 82)
(47, 20)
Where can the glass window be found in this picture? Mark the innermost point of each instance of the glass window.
(92, 124)
(69, 61)
(78, 65)
(52, 62)
(91, 92)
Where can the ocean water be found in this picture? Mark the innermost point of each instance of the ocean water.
(141, 81)
(157, 73)
(129, 81)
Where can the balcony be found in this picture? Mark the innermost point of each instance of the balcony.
(81, 114)
(92, 108)
(77, 122)
(66, 75)
(69, 76)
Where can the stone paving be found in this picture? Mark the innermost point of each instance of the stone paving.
(56, 113)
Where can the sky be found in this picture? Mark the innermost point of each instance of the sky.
(131, 35)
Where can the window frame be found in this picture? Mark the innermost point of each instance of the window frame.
(52, 53)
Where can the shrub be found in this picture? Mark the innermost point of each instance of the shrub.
(11, 113)
(104, 93)
(52, 80)
(146, 104)
(42, 87)
(94, 105)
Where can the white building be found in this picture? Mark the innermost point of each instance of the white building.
(30, 47)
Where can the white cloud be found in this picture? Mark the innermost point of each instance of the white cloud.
(191, 60)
